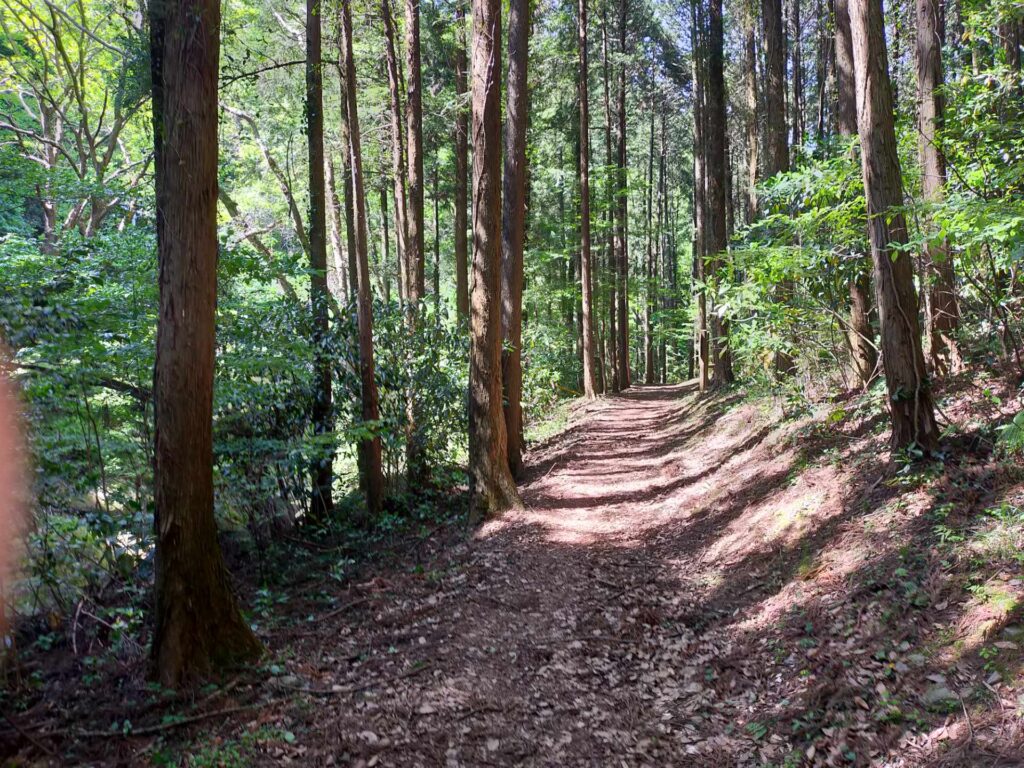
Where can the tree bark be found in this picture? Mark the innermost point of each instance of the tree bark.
(492, 489)
(700, 341)
(750, 95)
(586, 270)
(649, 273)
(910, 400)
(338, 284)
(717, 197)
(513, 230)
(370, 462)
(859, 333)
(622, 225)
(611, 180)
(943, 314)
(322, 468)
(461, 166)
(397, 147)
(198, 627)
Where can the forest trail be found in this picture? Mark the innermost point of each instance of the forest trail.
(651, 605)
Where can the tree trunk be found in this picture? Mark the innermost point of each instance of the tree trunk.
(397, 147)
(461, 166)
(622, 225)
(717, 197)
(700, 340)
(437, 248)
(910, 400)
(418, 472)
(859, 333)
(386, 242)
(587, 309)
(612, 263)
(415, 254)
(198, 627)
(370, 463)
(649, 273)
(339, 283)
(346, 167)
(943, 315)
(492, 489)
(796, 35)
(513, 230)
(322, 469)
(750, 94)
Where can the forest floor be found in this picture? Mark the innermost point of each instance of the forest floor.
(693, 582)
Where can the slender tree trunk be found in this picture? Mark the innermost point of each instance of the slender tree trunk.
(750, 94)
(386, 236)
(415, 253)
(513, 230)
(346, 168)
(717, 198)
(586, 280)
(397, 147)
(700, 341)
(859, 333)
(796, 35)
(622, 225)
(775, 139)
(492, 489)
(339, 283)
(322, 469)
(437, 249)
(461, 166)
(943, 316)
(611, 180)
(418, 471)
(910, 400)
(198, 627)
(372, 477)
(649, 267)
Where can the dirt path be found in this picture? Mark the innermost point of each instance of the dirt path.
(575, 631)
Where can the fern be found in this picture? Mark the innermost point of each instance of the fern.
(1011, 437)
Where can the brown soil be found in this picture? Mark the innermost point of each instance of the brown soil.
(688, 585)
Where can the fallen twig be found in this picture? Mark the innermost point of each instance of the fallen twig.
(160, 727)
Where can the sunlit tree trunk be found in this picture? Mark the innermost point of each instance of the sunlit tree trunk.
(397, 146)
(461, 165)
(587, 310)
(859, 333)
(513, 228)
(649, 272)
(611, 180)
(700, 340)
(622, 225)
(943, 313)
(910, 400)
(197, 625)
(370, 462)
(750, 96)
(717, 232)
(321, 499)
(492, 488)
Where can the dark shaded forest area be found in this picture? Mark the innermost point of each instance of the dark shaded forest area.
(610, 382)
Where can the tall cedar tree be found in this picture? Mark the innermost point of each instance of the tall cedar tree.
(943, 315)
(321, 502)
(859, 333)
(397, 144)
(415, 256)
(513, 229)
(910, 400)
(612, 380)
(197, 627)
(717, 185)
(776, 144)
(461, 165)
(649, 273)
(492, 488)
(622, 224)
(586, 267)
(370, 463)
(700, 341)
(750, 99)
